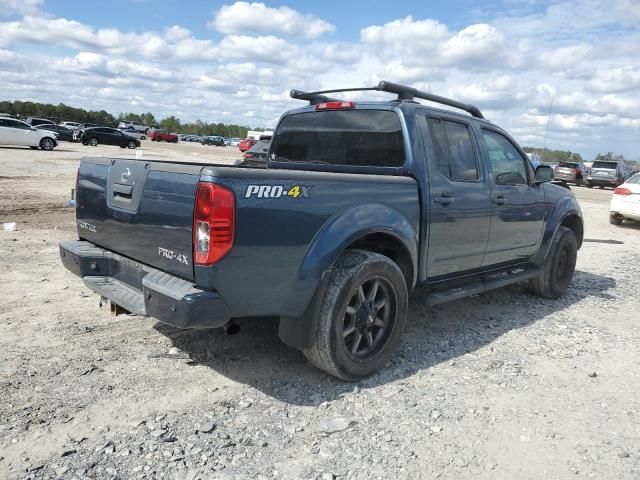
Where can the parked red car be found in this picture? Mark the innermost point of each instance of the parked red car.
(159, 135)
(246, 144)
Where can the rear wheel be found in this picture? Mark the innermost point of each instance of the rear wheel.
(615, 219)
(93, 141)
(362, 316)
(559, 266)
(175, 140)
(47, 143)
(589, 185)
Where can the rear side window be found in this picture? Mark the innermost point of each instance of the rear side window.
(347, 137)
(454, 150)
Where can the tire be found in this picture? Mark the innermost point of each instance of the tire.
(175, 140)
(558, 267)
(615, 220)
(123, 146)
(93, 141)
(589, 185)
(132, 145)
(355, 338)
(153, 139)
(47, 144)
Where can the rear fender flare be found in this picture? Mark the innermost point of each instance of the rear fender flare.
(330, 242)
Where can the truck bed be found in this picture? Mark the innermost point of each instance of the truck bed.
(286, 223)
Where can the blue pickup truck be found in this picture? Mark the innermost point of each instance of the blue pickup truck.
(360, 204)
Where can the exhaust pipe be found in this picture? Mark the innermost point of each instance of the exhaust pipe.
(231, 327)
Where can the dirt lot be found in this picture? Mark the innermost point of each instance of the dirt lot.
(503, 385)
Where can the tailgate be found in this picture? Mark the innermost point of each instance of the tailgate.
(140, 209)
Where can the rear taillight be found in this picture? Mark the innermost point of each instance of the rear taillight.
(213, 223)
(622, 191)
(247, 155)
(336, 105)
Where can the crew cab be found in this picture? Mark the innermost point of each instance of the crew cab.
(360, 204)
(160, 135)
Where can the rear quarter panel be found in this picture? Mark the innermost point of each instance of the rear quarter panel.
(284, 242)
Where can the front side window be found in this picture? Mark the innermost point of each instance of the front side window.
(507, 164)
(342, 137)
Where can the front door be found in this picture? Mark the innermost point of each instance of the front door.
(459, 196)
(517, 204)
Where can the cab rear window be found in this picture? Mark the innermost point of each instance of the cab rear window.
(346, 137)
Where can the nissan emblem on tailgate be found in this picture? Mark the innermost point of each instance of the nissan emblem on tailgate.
(125, 175)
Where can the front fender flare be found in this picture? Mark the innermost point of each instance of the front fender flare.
(563, 208)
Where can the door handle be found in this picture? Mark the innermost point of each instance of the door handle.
(499, 199)
(444, 199)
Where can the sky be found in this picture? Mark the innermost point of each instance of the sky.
(574, 64)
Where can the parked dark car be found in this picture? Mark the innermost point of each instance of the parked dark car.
(213, 140)
(33, 121)
(256, 156)
(569, 172)
(361, 203)
(63, 133)
(106, 136)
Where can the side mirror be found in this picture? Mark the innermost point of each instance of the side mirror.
(544, 173)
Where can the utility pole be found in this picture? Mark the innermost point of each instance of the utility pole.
(544, 148)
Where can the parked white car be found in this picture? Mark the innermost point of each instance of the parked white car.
(133, 125)
(71, 125)
(625, 203)
(133, 133)
(16, 132)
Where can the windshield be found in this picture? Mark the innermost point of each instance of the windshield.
(610, 165)
(345, 137)
(635, 179)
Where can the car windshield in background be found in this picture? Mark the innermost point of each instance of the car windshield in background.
(346, 137)
(610, 165)
(635, 179)
(568, 165)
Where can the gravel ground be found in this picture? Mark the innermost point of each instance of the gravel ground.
(502, 385)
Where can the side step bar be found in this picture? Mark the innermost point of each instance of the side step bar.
(484, 284)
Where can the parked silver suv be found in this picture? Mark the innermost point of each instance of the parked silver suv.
(609, 173)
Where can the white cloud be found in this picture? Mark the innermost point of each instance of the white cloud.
(257, 18)
(511, 67)
(23, 7)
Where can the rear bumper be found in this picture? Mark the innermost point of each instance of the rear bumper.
(143, 290)
(607, 182)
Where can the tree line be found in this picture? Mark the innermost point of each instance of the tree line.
(61, 112)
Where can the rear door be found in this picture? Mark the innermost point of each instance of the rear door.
(142, 210)
(517, 204)
(459, 196)
(21, 133)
